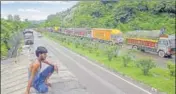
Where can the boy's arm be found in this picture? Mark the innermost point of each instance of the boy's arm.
(55, 66)
(46, 62)
(34, 69)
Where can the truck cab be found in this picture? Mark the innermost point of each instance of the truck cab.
(166, 47)
(28, 37)
(116, 36)
(117, 39)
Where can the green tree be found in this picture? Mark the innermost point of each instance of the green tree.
(8, 28)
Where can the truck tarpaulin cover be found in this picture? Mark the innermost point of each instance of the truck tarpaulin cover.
(153, 34)
(145, 38)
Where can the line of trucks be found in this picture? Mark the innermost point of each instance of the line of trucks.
(154, 41)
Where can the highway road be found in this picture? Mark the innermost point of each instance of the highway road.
(96, 79)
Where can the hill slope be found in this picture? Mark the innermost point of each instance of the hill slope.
(125, 15)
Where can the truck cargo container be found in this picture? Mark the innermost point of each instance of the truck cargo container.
(112, 35)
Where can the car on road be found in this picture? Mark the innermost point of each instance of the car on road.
(39, 35)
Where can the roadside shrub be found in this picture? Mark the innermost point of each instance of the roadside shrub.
(116, 49)
(146, 65)
(171, 68)
(67, 41)
(90, 48)
(96, 46)
(110, 56)
(126, 56)
(84, 42)
(97, 52)
(126, 60)
(109, 53)
(76, 43)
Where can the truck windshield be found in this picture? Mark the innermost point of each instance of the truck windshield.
(28, 35)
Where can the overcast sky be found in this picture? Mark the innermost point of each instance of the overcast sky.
(34, 10)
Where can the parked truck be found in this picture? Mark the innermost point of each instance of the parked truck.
(112, 35)
(152, 41)
(28, 37)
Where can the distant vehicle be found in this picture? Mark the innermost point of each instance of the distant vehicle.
(39, 35)
(101, 34)
(28, 37)
(56, 29)
(50, 29)
(152, 41)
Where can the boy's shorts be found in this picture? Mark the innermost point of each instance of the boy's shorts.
(39, 83)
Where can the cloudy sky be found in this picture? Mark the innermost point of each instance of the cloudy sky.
(34, 10)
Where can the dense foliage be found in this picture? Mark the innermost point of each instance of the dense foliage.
(10, 27)
(126, 15)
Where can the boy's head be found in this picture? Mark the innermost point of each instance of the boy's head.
(41, 52)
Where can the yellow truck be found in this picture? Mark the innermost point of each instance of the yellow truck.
(113, 35)
(56, 29)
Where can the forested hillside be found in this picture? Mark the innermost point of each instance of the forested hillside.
(10, 27)
(125, 15)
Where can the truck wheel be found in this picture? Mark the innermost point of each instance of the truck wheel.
(169, 56)
(135, 47)
(142, 50)
(161, 53)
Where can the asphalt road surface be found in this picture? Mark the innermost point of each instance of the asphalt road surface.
(95, 78)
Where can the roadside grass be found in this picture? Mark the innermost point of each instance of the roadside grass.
(20, 46)
(4, 51)
(157, 78)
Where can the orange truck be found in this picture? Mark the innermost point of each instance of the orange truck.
(107, 34)
(152, 41)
